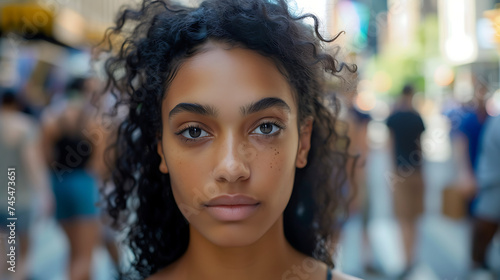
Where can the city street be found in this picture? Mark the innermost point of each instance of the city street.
(444, 244)
(443, 251)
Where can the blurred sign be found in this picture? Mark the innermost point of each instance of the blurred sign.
(403, 17)
(353, 18)
(26, 19)
(485, 34)
(70, 28)
(62, 24)
(494, 17)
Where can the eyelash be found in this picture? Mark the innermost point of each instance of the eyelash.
(185, 139)
(280, 126)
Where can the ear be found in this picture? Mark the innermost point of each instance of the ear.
(304, 142)
(159, 150)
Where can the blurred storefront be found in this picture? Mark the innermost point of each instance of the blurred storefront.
(44, 44)
(425, 42)
(428, 35)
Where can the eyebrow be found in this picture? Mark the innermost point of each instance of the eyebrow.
(263, 104)
(206, 110)
(193, 108)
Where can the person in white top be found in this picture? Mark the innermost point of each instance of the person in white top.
(27, 178)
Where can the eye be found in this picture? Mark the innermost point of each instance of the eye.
(193, 132)
(267, 129)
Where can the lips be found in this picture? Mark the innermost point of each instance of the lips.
(232, 208)
(228, 200)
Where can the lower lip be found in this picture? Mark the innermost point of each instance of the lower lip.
(232, 213)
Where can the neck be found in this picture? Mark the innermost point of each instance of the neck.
(405, 103)
(267, 258)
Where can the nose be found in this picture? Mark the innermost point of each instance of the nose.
(232, 161)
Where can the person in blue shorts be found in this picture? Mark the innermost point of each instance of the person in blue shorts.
(69, 155)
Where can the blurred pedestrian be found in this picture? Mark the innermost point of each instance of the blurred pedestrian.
(69, 152)
(360, 206)
(468, 122)
(406, 127)
(29, 187)
(486, 212)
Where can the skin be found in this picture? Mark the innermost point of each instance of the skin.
(233, 155)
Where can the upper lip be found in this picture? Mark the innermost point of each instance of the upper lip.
(231, 199)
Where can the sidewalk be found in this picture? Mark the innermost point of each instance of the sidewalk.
(444, 244)
(50, 255)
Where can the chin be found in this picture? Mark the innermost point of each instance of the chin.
(234, 235)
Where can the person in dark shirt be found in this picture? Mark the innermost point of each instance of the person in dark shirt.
(406, 127)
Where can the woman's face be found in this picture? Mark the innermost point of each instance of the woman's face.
(230, 143)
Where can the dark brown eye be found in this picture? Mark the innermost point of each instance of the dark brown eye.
(194, 132)
(266, 128)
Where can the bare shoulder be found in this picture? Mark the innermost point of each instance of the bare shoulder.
(341, 276)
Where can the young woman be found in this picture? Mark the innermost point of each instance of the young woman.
(228, 165)
(71, 156)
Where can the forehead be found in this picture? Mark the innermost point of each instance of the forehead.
(220, 75)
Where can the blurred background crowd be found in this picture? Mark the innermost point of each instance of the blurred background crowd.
(422, 114)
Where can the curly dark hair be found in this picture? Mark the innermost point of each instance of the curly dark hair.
(155, 39)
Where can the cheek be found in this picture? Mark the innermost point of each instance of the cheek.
(275, 168)
(188, 177)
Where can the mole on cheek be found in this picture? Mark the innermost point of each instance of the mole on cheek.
(271, 162)
(275, 159)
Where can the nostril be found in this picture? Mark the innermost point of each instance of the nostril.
(231, 171)
(233, 158)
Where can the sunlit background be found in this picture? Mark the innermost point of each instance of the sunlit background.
(442, 47)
